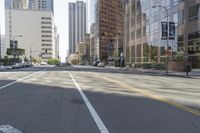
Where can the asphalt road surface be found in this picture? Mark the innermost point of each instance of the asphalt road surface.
(64, 100)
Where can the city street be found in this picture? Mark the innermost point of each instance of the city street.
(72, 100)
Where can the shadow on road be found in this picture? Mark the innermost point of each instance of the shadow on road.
(52, 109)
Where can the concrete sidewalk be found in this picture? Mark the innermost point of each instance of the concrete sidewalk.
(194, 74)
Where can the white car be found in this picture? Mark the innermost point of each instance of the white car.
(43, 63)
(17, 66)
(101, 64)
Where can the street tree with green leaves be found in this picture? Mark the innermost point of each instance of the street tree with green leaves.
(15, 52)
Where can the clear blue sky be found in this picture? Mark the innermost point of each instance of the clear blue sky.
(61, 20)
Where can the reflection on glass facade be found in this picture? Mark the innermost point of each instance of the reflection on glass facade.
(16, 4)
(8, 4)
(142, 34)
(42, 4)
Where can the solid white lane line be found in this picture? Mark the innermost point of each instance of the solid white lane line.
(2, 87)
(91, 109)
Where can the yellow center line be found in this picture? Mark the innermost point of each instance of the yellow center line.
(151, 95)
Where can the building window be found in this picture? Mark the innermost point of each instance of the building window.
(46, 18)
(132, 35)
(181, 17)
(46, 31)
(46, 40)
(45, 22)
(46, 36)
(139, 32)
(47, 27)
(139, 18)
(46, 44)
(194, 12)
(179, 1)
(175, 2)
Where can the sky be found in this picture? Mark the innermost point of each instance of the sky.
(61, 20)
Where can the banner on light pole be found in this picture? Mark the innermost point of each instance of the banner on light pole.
(164, 30)
(172, 30)
(13, 44)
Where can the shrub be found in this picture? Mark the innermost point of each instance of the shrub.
(53, 61)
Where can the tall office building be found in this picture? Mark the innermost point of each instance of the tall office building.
(16, 4)
(109, 28)
(142, 31)
(42, 5)
(77, 24)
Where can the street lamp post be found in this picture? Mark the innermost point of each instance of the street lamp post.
(31, 52)
(165, 8)
(14, 48)
(148, 21)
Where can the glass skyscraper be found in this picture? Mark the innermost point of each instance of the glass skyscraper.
(42, 4)
(142, 31)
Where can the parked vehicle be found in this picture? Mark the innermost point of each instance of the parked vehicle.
(101, 64)
(81, 63)
(96, 63)
(17, 66)
(43, 63)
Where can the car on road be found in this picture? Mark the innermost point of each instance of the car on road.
(81, 63)
(17, 65)
(43, 63)
(101, 64)
(96, 63)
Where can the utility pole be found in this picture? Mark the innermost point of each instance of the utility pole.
(166, 10)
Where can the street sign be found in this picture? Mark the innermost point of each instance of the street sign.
(13, 44)
(172, 30)
(164, 30)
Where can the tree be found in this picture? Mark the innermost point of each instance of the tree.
(36, 60)
(115, 54)
(53, 61)
(25, 59)
(15, 52)
(75, 61)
